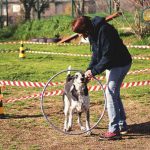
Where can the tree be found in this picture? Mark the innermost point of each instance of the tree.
(141, 29)
(79, 7)
(116, 5)
(40, 6)
(28, 5)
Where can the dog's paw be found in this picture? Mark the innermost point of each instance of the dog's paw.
(67, 129)
(88, 133)
(83, 128)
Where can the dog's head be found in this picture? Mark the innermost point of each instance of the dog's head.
(77, 78)
(76, 84)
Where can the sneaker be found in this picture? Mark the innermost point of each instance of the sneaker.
(111, 136)
(123, 131)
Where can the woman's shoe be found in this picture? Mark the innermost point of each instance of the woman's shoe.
(123, 131)
(111, 136)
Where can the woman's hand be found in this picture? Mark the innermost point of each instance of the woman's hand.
(88, 74)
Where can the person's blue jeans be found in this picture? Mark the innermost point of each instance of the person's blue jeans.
(116, 113)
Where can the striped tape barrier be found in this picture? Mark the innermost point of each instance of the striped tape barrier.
(67, 54)
(70, 44)
(92, 88)
(129, 73)
(42, 43)
(42, 84)
(140, 58)
(8, 51)
(28, 84)
(80, 55)
(62, 54)
(139, 46)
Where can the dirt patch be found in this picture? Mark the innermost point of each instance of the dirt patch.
(26, 129)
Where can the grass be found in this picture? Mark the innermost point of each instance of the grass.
(26, 126)
(40, 67)
(61, 26)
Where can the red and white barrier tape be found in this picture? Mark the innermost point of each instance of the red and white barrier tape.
(68, 54)
(54, 53)
(139, 46)
(131, 72)
(140, 58)
(68, 44)
(41, 84)
(28, 84)
(138, 71)
(52, 93)
(78, 55)
(92, 88)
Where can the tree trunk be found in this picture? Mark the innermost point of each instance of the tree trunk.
(27, 14)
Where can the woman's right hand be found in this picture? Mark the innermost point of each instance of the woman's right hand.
(88, 74)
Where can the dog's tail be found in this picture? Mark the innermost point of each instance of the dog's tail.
(69, 77)
(69, 72)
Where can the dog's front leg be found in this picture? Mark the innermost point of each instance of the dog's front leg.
(66, 112)
(88, 122)
(66, 122)
(80, 123)
(71, 110)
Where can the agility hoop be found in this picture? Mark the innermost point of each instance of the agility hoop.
(56, 127)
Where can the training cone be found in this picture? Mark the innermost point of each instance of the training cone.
(1, 108)
(21, 51)
(1, 103)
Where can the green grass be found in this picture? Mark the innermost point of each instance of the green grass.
(25, 115)
(41, 67)
(57, 25)
(61, 25)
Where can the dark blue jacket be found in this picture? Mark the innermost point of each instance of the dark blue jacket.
(107, 48)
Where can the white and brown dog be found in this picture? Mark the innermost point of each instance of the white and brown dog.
(76, 98)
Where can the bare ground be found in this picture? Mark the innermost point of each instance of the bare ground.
(26, 129)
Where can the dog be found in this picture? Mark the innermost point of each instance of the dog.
(76, 98)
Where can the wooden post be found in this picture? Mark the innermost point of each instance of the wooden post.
(108, 18)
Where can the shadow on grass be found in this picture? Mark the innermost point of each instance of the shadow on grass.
(126, 34)
(142, 128)
(6, 116)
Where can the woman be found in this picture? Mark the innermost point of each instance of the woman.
(110, 54)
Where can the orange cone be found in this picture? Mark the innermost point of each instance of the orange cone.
(1, 105)
(1, 110)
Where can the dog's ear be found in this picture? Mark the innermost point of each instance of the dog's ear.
(74, 93)
(86, 91)
(86, 79)
(69, 78)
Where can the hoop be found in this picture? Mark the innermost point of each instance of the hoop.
(55, 127)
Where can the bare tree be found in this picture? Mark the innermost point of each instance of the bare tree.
(79, 7)
(28, 5)
(140, 28)
(142, 3)
(116, 5)
(40, 7)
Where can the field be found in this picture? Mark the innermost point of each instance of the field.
(25, 128)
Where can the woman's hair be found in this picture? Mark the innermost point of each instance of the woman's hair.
(81, 24)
